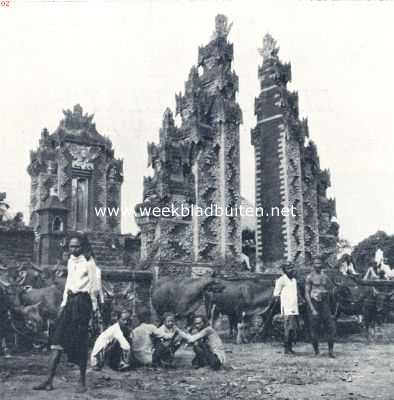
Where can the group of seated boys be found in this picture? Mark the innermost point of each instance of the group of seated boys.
(122, 347)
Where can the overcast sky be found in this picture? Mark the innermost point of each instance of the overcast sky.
(124, 61)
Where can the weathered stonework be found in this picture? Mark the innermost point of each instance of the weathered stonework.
(287, 175)
(328, 227)
(16, 239)
(74, 169)
(198, 164)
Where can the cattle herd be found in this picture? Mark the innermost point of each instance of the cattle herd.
(30, 299)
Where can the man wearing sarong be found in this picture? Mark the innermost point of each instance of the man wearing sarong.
(113, 345)
(317, 294)
(207, 345)
(167, 343)
(79, 301)
(286, 290)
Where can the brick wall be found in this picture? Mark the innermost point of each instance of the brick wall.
(16, 246)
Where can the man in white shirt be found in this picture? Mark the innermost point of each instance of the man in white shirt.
(286, 290)
(79, 301)
(113, 345)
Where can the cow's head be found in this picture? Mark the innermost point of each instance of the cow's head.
(127, 293)
(390, 300)
(30, 275)
(342, 294)
(8, 274)
(215, 286)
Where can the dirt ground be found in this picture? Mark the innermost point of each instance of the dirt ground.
(253, 371)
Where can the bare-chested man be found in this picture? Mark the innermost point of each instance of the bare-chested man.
(317, 293)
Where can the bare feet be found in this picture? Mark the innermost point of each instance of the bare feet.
(44, 386)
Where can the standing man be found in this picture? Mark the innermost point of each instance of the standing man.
(317, 294)
(286, 290)
(79, 301)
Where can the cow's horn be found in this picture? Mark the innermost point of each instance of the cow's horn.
(4, 283)
(36, 267)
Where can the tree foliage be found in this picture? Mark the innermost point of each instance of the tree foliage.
(364, 252)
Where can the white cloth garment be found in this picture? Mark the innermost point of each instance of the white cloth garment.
(287, 290)
(82, 277)
(379, 256)
(371, 274)
(142, 341)
(347, 269)
(386, 270)
(112, 333)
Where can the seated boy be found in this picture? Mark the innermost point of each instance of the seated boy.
(207, 345)
(164, 345)
(113, 345)
(147, 346)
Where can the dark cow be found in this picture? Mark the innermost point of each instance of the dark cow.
(49, 297)
(5, 310)
(33, 319)
(16, 320)
(31, 275)
(36, 277)
(240, 300)
(371, 304)
(182, 296)
(8, 275)
(34, 310)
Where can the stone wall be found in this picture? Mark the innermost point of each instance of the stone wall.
(16, 246)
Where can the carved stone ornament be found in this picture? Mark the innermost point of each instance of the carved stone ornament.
(153, 153)
(269, 49)
(115, 172)
(76, 120)
(222, 29)
(83, 156)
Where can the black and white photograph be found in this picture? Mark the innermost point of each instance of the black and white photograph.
(196, 199)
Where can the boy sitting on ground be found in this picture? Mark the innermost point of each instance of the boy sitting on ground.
(148, 339)
(113, 345)
(164, 345)
(207, 345)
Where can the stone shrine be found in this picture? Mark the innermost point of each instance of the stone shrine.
(74, 173)
(197, 164)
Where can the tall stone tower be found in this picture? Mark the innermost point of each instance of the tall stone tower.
(75, 169)
(206, 162)
(288, 176)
